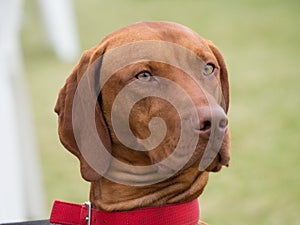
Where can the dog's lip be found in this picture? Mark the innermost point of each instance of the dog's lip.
(222, 161)
(217, 168)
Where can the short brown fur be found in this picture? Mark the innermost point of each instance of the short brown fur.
(185, 185)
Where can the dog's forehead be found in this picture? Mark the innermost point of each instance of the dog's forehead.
(164, 31)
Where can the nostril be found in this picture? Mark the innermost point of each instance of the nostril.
(211, 118)
(205, 126)
(223, 123)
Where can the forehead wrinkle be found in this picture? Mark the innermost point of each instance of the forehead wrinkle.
(170, 32)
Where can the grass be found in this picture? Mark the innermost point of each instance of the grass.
(260, 41)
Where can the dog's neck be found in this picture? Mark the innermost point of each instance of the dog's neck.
(184, 186)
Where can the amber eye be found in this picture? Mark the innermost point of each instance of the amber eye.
(208, 69)
(144, 76)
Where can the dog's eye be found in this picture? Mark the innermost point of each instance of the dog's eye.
(208, 69)
(144, 76)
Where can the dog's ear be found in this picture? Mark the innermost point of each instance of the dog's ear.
(223, 74)
(64, 107)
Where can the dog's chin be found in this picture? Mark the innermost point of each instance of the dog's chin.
(215, 166)
(198, 159)
(222, 159)
(205, 162)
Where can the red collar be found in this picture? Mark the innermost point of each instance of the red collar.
(77, 214)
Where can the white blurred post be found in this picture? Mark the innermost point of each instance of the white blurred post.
(60, 27)
(21, 193)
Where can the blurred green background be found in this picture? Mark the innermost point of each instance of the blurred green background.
(260, 42)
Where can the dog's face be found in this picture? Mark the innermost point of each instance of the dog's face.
(186, 86)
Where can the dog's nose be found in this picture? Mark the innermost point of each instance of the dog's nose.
(211, 117)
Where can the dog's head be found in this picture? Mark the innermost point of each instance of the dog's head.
(160, 95)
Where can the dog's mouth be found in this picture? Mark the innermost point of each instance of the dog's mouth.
(212, 162)
(221, 157)
(213, 132)
(219, 162)
(209, 150)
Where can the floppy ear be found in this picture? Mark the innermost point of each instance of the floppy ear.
(63, 108)
(223, 74)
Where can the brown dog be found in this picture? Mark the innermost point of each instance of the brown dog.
(158, 58)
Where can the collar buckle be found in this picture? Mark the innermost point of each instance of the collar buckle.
(89, 215)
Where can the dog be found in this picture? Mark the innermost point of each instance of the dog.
(145, 162)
